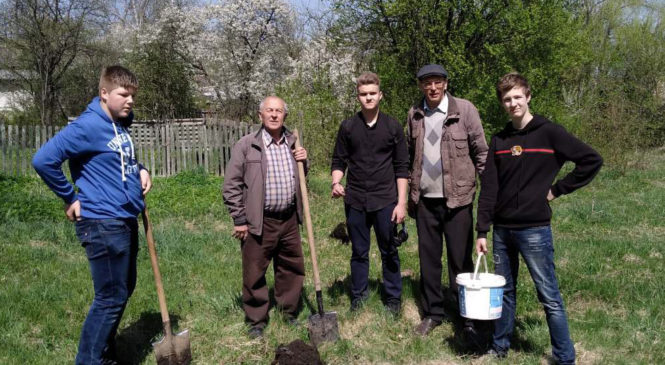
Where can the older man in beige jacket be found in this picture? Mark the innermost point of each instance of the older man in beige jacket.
(261, 191)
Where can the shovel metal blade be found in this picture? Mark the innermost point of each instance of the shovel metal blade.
(173, 350)
(323, 328)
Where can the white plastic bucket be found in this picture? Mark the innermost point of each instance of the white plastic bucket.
(480, 294)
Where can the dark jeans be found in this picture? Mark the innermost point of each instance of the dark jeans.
(280, 243)
(435, 221)
(359, 223)
(535, 245)
(111, 246)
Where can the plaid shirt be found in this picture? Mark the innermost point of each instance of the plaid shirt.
(281, 180)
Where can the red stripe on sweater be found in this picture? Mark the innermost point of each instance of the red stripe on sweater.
(543, 150)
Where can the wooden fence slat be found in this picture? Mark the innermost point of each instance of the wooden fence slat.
(36, 142)
(19, 151)
(189, 148)
(167, 151)
(217, 156)
(25, 153)
(183, 155)
(151, 149)
(222, 138)
(3, 146)
(220, 148)
(176, 150)
(11, 142)
(171, 151)
(206, 153)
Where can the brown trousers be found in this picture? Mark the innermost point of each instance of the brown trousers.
(281, 243)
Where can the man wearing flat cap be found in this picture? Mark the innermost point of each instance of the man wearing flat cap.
(447, 148)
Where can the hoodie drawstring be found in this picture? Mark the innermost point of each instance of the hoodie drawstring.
(122, 155)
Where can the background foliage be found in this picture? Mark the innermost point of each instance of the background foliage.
(596, 66)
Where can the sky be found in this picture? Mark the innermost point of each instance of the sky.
(309, 4)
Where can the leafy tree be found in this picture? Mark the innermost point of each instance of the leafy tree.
(618, 99)
(477, 42)
(165, 81)
(42, 39)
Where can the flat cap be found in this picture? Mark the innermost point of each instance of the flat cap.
(432, 70)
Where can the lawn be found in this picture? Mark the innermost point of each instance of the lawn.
(609, 255)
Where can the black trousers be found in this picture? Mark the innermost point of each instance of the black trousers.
(435, 221)
(359, 223)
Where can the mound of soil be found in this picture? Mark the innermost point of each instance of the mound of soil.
(297, 353)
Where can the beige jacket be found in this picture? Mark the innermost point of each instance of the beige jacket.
(244, 181)
(463, 152)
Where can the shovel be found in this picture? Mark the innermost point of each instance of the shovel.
(322, 326)
(172, 349)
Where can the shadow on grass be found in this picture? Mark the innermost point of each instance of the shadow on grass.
(342, 288)
(463, 345)
(134, 343)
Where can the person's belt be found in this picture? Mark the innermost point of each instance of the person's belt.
(282, 216)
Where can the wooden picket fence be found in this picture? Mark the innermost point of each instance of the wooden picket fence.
(164, 148)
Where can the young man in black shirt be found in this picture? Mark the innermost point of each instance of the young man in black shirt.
(516, 188)
(371, 148)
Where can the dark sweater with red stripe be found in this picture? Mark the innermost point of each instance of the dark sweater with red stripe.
(520, 168)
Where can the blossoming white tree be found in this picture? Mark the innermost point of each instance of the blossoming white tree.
(239, 48)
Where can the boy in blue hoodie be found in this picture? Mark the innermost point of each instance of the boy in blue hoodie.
(111, 185)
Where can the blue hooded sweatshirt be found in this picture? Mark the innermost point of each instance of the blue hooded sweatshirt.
(102, 163)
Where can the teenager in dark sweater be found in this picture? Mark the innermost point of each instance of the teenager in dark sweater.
(516, 188)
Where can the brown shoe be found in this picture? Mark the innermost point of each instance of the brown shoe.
(426, 326)
(255, 332)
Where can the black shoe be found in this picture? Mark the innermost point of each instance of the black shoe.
(472, 337)
(357, 304)
(293, 321)
(495, 354)
(255, 332)
(394, 307)
(426, 326)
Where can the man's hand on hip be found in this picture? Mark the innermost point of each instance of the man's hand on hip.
(550, 196)
(73, 211)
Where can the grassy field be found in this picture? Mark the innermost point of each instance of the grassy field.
(609, 257)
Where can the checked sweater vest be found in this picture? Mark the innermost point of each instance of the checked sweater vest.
(431, 183)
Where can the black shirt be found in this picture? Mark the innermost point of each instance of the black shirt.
(375, 157)
(520, 169)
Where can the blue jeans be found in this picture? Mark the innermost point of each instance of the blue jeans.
(358, 223)
(111, 246)
(535, 245)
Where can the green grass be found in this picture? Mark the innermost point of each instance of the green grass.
(608, 254)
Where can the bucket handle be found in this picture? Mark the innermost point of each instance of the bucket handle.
(475, 272)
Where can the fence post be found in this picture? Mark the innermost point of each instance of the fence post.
(25, 154)
(3, 145)
(10, 155)
(166, 154)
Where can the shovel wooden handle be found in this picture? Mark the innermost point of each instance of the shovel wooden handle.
(308, 217)
(166, 321)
